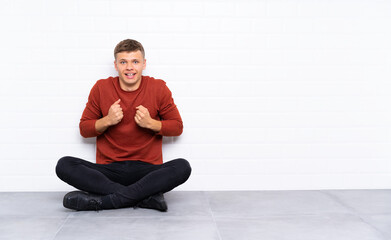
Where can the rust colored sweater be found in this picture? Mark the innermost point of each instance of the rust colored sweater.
(126, 140)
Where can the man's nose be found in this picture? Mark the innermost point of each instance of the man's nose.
(129, 66)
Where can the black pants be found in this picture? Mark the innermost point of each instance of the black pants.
(126, 183)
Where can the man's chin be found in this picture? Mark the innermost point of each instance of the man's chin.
(129, 83)
(127, 80)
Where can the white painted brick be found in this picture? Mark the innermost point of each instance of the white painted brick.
(39, 120)
(78, 56)
(308, 8)
(189, 57)
(28, 8)
(344, 25)
(78, 24)
(46, 24)
(204, 25)
(269, 25)
(329, 73)
(282, 8)
(183, 73)
(8, 8)
(56, 8)
(93, 7)
(169, 41)
(251, 8)
(271, 57)
(136, 25)
(55, 40)
(250, 41)
(281, 88)
(165, 72)
(47, 152)
(157, 8)
(299, 25)
(278, 151)
(110, 24)
(125, 8)
(39, 56)
(231, 167)
(30, 168)
(285, 104)
(36, 40)
(282, 120)
(237, 25)
(42, 136)
(284, 135)
(219, 8)
(13, 76)
(221, 41)
(19, 24)
(62, 72)
(359, 8)
(51, 88)
(187, 8)
(169, 25)
(285, 41)
(47, 105)
(89, 74)
(144, 25)
(352, 57)
(375, 9)
(232, 56)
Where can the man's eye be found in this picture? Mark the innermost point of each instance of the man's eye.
(135, 61)
(122, 62)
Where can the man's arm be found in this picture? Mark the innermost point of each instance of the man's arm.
(170, 123)
(143, 119)
(114, 116)
(170, 119)
(92, 122)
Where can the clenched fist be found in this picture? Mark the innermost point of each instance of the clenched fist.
(115, 114)
(143, 119)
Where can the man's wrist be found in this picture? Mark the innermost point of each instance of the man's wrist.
(155, 125)
(102, 124)
(107, 122)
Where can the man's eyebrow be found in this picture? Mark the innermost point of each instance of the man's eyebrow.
(123, 59)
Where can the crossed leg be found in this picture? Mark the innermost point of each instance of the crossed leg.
(126, 183)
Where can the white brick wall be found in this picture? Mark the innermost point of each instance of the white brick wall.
(275, 94)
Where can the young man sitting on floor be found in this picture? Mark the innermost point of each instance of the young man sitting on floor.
(128, 115)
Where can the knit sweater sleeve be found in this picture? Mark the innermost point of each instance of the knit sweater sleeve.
(171, 120)
(91, 114)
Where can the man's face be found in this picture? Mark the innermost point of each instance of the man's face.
(130, 66)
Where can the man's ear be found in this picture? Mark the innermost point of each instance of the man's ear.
(115, 65)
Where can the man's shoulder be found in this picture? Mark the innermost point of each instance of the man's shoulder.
(104, 84)
(106, 81)
(153, 80)
(158, 87)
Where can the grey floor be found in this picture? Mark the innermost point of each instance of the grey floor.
(266, 215)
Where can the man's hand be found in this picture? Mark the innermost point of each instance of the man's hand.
(114, 116)
(144, 120)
